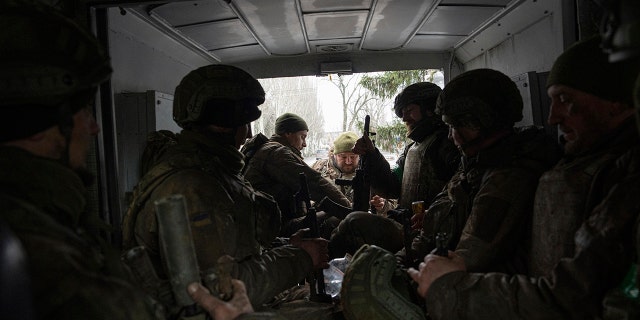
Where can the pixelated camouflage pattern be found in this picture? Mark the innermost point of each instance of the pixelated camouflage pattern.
(568, 192)
(228, 217)
(73, 275)
(577, 285)
(486, 206)
(328, 170)
(432, 156)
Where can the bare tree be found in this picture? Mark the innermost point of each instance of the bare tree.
(355, 99)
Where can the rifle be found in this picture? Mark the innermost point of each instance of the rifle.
(316, 278)
(403, 216)
(361, 182)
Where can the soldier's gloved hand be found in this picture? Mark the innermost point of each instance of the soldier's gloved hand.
(378, 202)
(363, 146)
(219, 309)
(317, 248)
(434, 267)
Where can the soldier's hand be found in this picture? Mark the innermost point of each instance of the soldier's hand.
(363, 146)
(219, 309)
(434, 267)
(317, 248)
(378, 202)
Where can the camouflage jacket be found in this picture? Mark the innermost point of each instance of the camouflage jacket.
(486, 206)
(274, 170)
(605, 246)
(431, 160)
(228, 217)
(328, 170)
(73, 275)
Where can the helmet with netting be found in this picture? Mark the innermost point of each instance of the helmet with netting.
(485, 99)
(374, 287)
(221, 95)
(50, 68)
(423, 94)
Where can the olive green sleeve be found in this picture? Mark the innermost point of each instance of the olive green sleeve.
(497, 222)
(574, 289)
(274, 271)
(285, 167)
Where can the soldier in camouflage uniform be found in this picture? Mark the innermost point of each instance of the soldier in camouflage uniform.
(51, 68)
(585, 210)
(341, 163)
(274, 169)
(421, 172)
(426, 164)
(486, 206)
(215, 105)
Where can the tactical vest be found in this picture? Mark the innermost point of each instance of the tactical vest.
(329, 171)
(449, 214)
(560, 208)
(420, 180)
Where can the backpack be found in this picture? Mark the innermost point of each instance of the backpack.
(252, 146)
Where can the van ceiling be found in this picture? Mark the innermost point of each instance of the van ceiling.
(331, 33)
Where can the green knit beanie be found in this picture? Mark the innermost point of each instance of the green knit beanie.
(585, 67)
(290, 122)
(344, 142)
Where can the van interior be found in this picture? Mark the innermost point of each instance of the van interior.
(153, 44)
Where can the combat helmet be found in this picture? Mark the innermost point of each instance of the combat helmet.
(374, 288)
(217, 94)
(485, 99)
(423, 94)
(50, 68)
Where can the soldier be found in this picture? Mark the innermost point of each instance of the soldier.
(341, 163)
(46, 131)
(485, 208)
(426, 164)
(584, 213)
(419, 175)
(215, 105)
(274, 169)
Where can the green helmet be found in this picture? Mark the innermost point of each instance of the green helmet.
(217, 94)
(50, 69)
(45, 57)
(483, 98)
(423, 94)
(374, 288)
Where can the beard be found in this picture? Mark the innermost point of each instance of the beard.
(348, 169)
